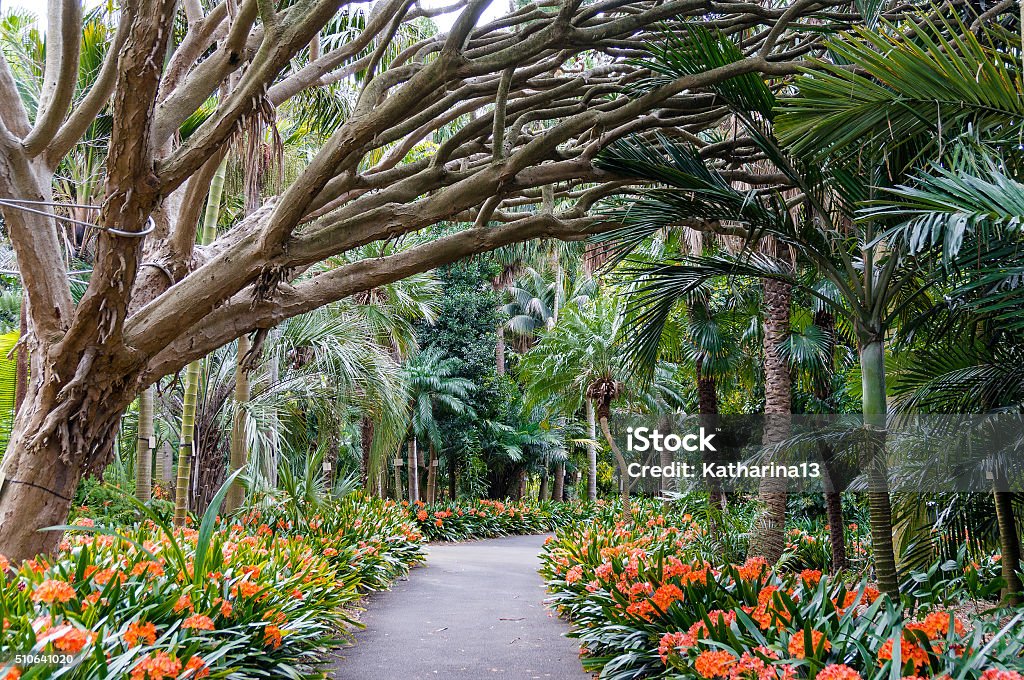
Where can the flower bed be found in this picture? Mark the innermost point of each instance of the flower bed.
(649, 601)
(460, 521)
(261, 597)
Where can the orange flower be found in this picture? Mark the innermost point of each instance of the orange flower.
(198, 622)
(183, 604)
(574, 574)
(196, 668)
(838, 671)
(909, 653)
(670, 642)
(996, 674)
(665, 595)
(810, 576)
(71, 639)
(752, 569)
(140, 632)
(714, 663)
(246, 588)
(330, 552)
(149, 568)
(272, 636)
(798, 641)
(103, 577)
(53, 590)
(422, 515)
(13, 674)
(936, 625)
(5, 564)
(157, 666)
(225, 608)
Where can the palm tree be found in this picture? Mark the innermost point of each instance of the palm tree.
(579, 366)
(876, 280)
(433, 386)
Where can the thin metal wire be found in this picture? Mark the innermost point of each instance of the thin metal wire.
(20, 204)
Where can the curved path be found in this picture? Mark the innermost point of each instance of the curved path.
(474, 612)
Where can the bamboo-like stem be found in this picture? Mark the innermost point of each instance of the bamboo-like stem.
(186, 447)
(239, 448)
(143, 449)
(591, 452)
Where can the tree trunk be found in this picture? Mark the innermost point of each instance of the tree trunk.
(414, 473)
(431, 475)
(769, 539)
(833, 498)
(239, 440)
(453, 480)
(591, 452)
(21, 358)
(624, 481)
(38, 487)
(542, 493)
(366, 443)
(186, 447)
(558, 493)
(1009, 540)
(499, 351)
(144, 447)
(836, 527)
(872, 363)
(707, 408)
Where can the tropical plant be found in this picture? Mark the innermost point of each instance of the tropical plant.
(433, 386)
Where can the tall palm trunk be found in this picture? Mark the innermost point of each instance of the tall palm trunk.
(542, 493)
(558, 490)
(414, 473)
(872, 365)
(366, 432)
(707, 408)
(453, 479)
(431, 475)
(186, 449)
(591, 452)
(144, 446)
(1009, 539)
(239, 440)
(824, 320)
(769, 538)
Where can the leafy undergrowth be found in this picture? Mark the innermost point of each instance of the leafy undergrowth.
(261, 596)
(466, 520)
(656, 598)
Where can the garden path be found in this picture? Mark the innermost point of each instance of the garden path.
(474, 612)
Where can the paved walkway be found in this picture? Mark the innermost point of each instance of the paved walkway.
(474, 612)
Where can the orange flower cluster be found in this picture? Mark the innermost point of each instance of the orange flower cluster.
(934, 626)
(272, 636)
(140, 632)
(838, 671)
(157, 666)
(53, 590)
(198, 622)
(714, 663)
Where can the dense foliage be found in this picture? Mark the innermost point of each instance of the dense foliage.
(260, 597)
(663, 596)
